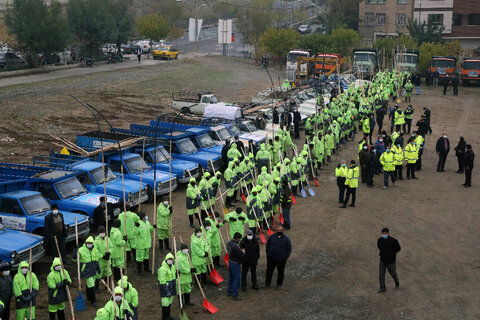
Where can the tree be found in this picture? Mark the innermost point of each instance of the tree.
(92, 23)
(278, 42)
(341, 14)
(317, 43)
(123, 16)
(425, 32)
(390, 44)
(170, 10)
(344, 40)
(37, 27)
(7, 37)
(153, 27)
(174, 34)
(429, 49)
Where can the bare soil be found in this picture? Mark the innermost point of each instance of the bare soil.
(333, 270)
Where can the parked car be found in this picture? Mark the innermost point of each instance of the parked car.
(145, 45)
(304, 29)
(10, 59)
(48, 58)
(109, 47)
(165, 53)
(128, 48)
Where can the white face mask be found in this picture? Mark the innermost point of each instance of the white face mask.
(24, 271)
(146, 218)
(208, 228)
(165, 203)
(89, 245)
(57, 268)
(6, 273)
(118, 298)
(249, 237)
(169, 262)
(55, 211)
(199, 235)
(185, 251)
(445, 137)
(101, 235)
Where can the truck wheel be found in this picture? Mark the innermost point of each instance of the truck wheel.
(185, 110)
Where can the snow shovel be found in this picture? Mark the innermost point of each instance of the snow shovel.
(207, 305)
(244, 198)
(216, 277)
(262, 236)
(80, 300)
(226, 258)
(294, 201)
(303, 193)
(310, 190)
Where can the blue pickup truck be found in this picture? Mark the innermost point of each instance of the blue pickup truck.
(132, 162)
(15, 246)
(91, 176)
(182, 146)
(61, 187)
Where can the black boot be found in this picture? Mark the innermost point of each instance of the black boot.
(97, 289)
(92, 298)
(190, 218)
(167, 244)
(160, 245)
(139, 268)
(129, 256)
(116, 274)
(187, 299)
(164, 313)
(134, 254)
(52, 315)
(169, 317)
(146, 265)
(61, 314)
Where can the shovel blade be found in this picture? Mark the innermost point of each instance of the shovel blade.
(80, 302)
(274, 224)
(262, 237)
(225, 258)
(315, 181)
(303, 193)
(282, 220)
(270, 232)
(244, 198)
(310, 190)
(183, 316)
(216, 277)
(210, 308)
(294, 201)
(225, 211)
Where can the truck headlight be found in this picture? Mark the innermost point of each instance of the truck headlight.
(14, 255)
(130, 196)
(184, 174)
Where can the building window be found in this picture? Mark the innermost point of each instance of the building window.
(401, 1)
(381, 1)
(369, 18)
(435, 18)
(457, 20)
(474, 19)
(401, 20)
(370, 1)
(381, 19)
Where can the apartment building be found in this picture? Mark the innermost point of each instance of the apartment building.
(436, 11)
(466, 23)
(383, 18)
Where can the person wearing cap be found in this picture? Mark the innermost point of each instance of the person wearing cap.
(117, 307)
(55, 228)
(199, 247)
(6, 286)
(244, 169)
(389, 247)
(286, 202)
(341, 174)
(129, 218)
(57, 281)
(131, 295)
(225, 150)
(419, 143)
(318, 149)
(237, 220)
(205, 191)
(278, 250)
(287, 141)
(240, 147)
(89, 267)
(21, 289)
(100, 244)
(230, 176)
(185, 273)
(387, 159)
(235, 258)
(99, 218)
(295, 175)
(399, 155)
(266, 198)
(468, 165)
(167, 274)
(143, 241)
(214, 238)
(252, 254)
(116, 247)
(193, 201)
(164, 221)
(351, 183)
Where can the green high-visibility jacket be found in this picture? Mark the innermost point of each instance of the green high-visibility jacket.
(236, 225)
(199, 248)
(116, 244)
(88, 260)
(21, 287)
(164, 214)
(143, 235)
(57, 292)
(387, 159)
(184, 268)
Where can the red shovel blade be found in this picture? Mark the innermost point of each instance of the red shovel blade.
(262, 237)
(210, 308)
(244, 198)
(270, 232)
(315, 181)
(225, 258)
(282, 220)
(216, 277)
(294, 201)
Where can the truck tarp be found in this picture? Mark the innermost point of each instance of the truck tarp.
(222, 111)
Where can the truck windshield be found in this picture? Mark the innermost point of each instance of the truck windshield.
(160, 155)
(135, 165)
(407, 58)
(442, 63)
(186, 146)
(364, 57)
(471, 65)
(251, 127)
(235, 130)
(225, 134)
(292, 57)
(70, 188)
(97, 175)
(205, 141)
(35, 204)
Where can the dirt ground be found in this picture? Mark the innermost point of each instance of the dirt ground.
(333, 270)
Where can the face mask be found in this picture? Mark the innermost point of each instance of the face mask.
(381, 140)
(57, 268)
(146, 218)
(388, 150)
(398, 145)
(101, 235)
(118, 298)
(384, 236)
(364, 147)
(89, 245)
(169, 262)
(249, 237)
(208, 228)
(6, 273)
(24, 271)
(55, 211)
(413, 143)
(344, 164)
(165, 203)
(185, 251)
(199, 235)
(445, 137)
(279, 234)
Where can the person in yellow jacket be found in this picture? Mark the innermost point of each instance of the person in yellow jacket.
(399, 155)
(411, 155)
(366, 128)
(387, 159)
(341, 174)
(351, 183)
(399, 119)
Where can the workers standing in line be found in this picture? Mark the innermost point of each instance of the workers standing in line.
(131, 295)
(185, 273)
(351, 183)
(21, 290)
(398, 156)
(164, 220)
(89, 267)
(116, 246)
(100, 244)
(130, 218)
(193, 201)
(143, 242)
(237, 221)
(387, 159)
(57, 281)
(199, 247)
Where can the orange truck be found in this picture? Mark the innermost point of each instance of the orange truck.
(470, 70)
(326, 63)
(444, 65)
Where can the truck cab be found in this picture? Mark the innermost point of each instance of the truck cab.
(407, 60)
(193, 102)
(25, 210)
(60, 187)
(365, 63)
(246, 136)
(470, 70)
(15, 246)
(444, 65)
(91, 176)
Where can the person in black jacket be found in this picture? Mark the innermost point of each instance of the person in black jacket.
(225, 149)
(276, 115)
(389, 247)
(6, 287)
(380, 114)
(235, 257)
(468, 165)
(297, 118)
(460, 153)
(278, 250)
(442, 147)
(55, 227)
(99, 214)
(252, 254)
(371, 165)
(286, 203)
(423, 127)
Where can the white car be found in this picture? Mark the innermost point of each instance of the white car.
(145, 45)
